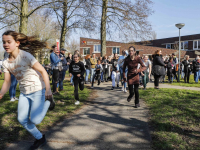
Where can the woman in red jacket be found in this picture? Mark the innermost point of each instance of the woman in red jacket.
(132, 62)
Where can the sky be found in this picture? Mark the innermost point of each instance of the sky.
(167, 13)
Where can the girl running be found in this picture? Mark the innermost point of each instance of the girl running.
(132, 62)
(33, 82)
(77, 69)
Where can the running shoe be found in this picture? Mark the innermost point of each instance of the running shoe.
(112, 88)
(16, 98)
(12, 99)
(38, 143)
(125, 91)
(122, 88)
(77, 103)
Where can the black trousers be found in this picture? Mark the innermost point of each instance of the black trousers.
(55, 79)
(156, 80)
(105, 73)
(78, 83)
(131, 92)
(187, 76)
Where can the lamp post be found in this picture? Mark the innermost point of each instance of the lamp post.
(179, 26)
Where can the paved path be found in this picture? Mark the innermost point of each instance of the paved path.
(107, 123)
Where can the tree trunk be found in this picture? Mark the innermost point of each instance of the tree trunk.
(103, 27)
(23, 17)
(64, 26)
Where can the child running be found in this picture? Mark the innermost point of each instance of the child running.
(33, 82)
(77, 69)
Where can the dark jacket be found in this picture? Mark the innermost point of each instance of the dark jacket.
(88, 64)
(114, 63)
(77, 68)
(158, 65)
(187, 66)
(104, 63)
(69, 60)
(196, 66)
(171, 68)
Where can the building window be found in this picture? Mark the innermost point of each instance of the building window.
(86, 51)
(168, 46)
(196, 44)
(115, 50)
(97, 48)
(185, 44)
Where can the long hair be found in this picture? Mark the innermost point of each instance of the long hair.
(87, 56)
(27, 43)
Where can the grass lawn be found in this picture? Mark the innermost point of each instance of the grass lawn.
(182, 83)
(11, 130)
(174, 118)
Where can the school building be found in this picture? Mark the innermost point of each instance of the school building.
(89, 46)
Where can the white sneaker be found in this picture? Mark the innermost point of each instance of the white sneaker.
(16, 98)
(122, 88)
(125, 91)
(12, 99)
(77, 103)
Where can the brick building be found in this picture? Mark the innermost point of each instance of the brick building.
(190, 44)
(89, 46)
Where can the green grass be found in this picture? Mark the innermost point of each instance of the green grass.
(11, 130)
(174, 118)
(182, 83)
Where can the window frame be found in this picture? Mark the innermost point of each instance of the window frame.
(116, 47)
(86, 48)
(197, 44)
(94, 48)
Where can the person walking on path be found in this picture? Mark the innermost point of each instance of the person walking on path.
(77, 69)
(97, 75)
(93, 62)
(187, 69)
(14, 82)
(121, 63)
(158, 67)
(132, 62)
(55, 61)
(115, 70)
(33, 82)
(146, 73)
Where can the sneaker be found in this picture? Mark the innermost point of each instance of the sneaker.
(52, 103)
(91, 87)
(122, 88)
(137, 105)
(77, 103)
(16, 98)
(129, 99)
(38, 143)
(112, 88)
(12, 99)
(117, 85)
(125, 91)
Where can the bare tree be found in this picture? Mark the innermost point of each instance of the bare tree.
(126, 16)
(72, 15)
(73, 45)
(18, 11)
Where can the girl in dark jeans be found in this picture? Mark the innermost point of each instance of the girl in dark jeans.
(77, 69)
(132, 62)
(157, 61)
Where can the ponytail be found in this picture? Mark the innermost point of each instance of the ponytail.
(27, 43)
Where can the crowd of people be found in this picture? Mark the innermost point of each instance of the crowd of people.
(35, 91)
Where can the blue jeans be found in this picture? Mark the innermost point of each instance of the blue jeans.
(62, 79)
(32, 108)
(197, 75)
(71, 80)
(102, 76)
(121, 74)
(87, 75)
(92, 74)
(12, 90)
